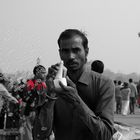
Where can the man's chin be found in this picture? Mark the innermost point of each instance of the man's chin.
(73, 69)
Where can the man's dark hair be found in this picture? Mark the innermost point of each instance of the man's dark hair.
(119, 82)
(130, 80)
(115, 82)
(97, 66)
(69, 33)
(125, 84)
(38, 68)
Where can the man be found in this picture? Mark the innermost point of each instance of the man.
(138, 90)
(34, 97)
(118, 97)
(97, 66)
(133, 96)
(84, 108)
(5, 98)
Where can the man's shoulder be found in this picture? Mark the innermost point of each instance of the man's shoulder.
(131, 85)
(100, 76)
(2, 87)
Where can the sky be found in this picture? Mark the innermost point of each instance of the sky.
(30, 28)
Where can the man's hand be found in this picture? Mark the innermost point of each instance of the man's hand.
(52, 71)
(69, 93)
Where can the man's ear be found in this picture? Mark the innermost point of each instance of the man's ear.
(60, 52)
(86, 51)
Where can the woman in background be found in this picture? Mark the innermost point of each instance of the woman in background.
(125, 91)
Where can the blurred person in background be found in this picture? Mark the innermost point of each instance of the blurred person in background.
(125, 91)
(97, 66)
(5, 98)
(118, 97)
(3, 89)
(115, 84)
(133, 96)
(138, 90)
(34, 98)
(15, 110)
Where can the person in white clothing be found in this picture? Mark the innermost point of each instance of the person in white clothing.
(125, 91)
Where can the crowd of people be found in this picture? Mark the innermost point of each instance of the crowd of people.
(127, 93)
(127, 97)
(81, 110)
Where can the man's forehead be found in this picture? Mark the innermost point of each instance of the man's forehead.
(74, 39)
(42, 71)
(74, 42)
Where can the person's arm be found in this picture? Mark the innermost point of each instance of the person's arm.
(43, 124)
(136, 91)
(4, 92)
(101, 124)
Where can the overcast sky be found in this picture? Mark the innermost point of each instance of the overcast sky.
(30, 29)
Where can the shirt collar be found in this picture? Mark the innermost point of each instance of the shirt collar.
(85, 76)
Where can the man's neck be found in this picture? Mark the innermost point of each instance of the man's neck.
(75, 75)
(37, 78)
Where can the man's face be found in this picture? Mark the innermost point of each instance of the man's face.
(73, 54)
(42, 75)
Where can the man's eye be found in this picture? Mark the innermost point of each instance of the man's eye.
(76, 50)
(64, 51)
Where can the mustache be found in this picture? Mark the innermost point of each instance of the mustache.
(70, 62)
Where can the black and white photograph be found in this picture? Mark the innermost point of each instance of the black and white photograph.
(69, 70)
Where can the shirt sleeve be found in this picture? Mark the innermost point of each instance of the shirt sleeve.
(136, 91)
(4, 92)
(2, 88)
(100, 124)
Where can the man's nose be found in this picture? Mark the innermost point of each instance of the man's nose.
(71, 55)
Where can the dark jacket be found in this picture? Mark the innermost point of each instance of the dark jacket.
(90, 119)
